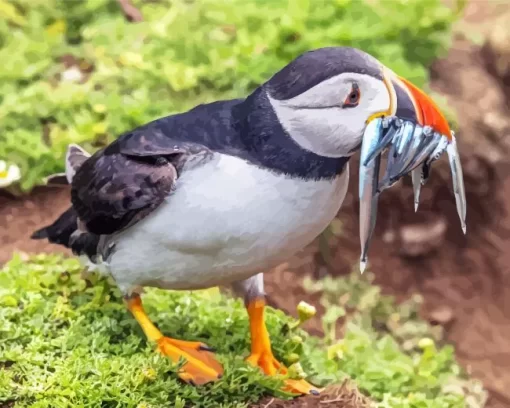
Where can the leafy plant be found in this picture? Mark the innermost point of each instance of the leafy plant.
(78, 72)
(396, 357)
(64, 343)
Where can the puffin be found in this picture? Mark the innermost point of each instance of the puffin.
(217, 195)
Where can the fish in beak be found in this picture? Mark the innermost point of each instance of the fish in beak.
(414, 133)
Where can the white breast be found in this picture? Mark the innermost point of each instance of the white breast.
(226, 221)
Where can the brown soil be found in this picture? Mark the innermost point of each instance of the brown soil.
(465, 278)
(345, 396)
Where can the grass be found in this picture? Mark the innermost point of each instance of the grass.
(64, 343)
(79, 72)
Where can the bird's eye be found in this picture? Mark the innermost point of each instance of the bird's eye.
(353, 98)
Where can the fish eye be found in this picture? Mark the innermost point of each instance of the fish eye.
(352, 100)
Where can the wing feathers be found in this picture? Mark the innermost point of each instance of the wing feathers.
(112, 192)
(75, 157)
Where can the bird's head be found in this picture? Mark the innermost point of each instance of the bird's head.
(325, 98)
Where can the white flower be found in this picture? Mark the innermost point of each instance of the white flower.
(72, 74)
(8, 174)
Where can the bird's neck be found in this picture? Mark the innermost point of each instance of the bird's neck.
(267, 142)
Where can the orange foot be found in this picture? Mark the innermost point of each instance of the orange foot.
(261, 354)
(201, 366)
(270, 366)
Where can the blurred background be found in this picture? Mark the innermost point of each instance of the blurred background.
(85, 71)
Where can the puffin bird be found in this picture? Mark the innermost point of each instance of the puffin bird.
(216, 195)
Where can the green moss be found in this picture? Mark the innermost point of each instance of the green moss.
(184, 53)
(64, 343)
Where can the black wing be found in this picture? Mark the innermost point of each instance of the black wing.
(122, 184)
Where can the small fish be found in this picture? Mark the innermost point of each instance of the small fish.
(438, 151)
(428, 145)
(417, 139)
(393, 158)
(416, 176)
(458, 181)
(391, 126)
(411, 149)
(413, 139)
(368, 181)
(404, 147)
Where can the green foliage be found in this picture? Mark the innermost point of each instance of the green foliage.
(64, 343)
(184, 53)
(392, 354)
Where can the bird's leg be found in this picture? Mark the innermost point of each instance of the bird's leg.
(201, 367)
(261, 354)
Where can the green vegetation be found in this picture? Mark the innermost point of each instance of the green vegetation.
(64, 343)
(78, 71)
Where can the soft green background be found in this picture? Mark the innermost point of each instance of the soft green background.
(183, 54)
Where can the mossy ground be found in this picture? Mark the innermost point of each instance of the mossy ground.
(66, 343)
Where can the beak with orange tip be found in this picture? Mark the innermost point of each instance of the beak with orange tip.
(415, 105)
(415, 133)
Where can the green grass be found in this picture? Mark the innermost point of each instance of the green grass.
(184, 53)
(67, 344)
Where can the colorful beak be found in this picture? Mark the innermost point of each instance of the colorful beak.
(412, 104)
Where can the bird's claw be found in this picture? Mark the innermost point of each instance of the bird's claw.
(271, 366)
(200, 367)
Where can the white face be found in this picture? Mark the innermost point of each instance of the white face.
(318, 121)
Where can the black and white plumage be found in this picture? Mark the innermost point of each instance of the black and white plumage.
(216, 194)
(219, 194)
(230, 188)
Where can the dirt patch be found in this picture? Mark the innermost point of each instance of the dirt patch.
(345, 395)
(20, 217)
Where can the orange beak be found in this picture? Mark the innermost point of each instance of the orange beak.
(413, 104)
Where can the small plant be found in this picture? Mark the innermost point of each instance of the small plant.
(391, 353)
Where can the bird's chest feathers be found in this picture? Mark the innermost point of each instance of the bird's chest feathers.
(240, 204)
(231, 217)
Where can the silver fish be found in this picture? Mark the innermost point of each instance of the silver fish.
(406, 138)
(395, 167)
(416, 176)
(428, 145)
(404, 147)
(391, 126)
(393, 158)
(458, 181)
(425, 169)
(368, 180)
(438, 151)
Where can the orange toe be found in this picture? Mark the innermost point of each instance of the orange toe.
(270, 366)
(200, 367)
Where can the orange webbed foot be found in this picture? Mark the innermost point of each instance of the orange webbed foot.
(262, 356)
(271, 366)
(200, 367)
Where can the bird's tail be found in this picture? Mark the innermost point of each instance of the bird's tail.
(64, 231)
(61, 230)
